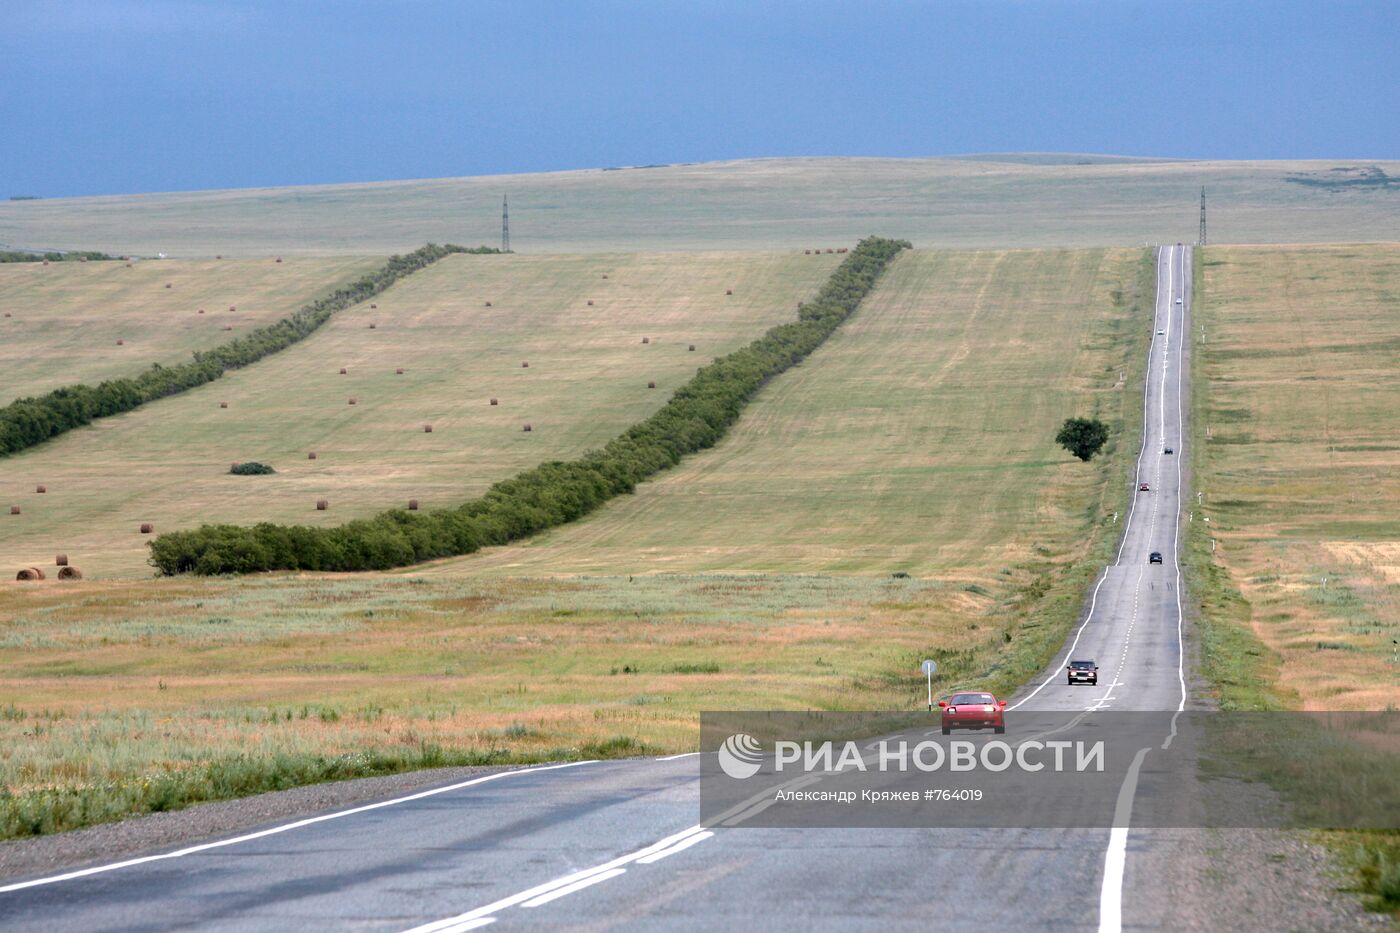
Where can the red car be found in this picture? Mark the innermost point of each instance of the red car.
(973, 711)
(1143, 487)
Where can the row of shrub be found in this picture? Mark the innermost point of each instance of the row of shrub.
(14, 255)
(553, 493)
(29, 421)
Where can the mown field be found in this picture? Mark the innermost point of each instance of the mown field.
(138, 694)
(1298, 414)
(991, 201)
(60, 323)
(167, 463)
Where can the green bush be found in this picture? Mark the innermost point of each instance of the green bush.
(251, 468)
(553, 493)
(29, 421)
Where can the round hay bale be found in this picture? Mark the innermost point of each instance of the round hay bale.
(233, 466)
(488, 304)
(729, 291)
(232, 308)
(30, 573)
(399, 371)
(15, 510)
(651, 385)
(311, 455)
(322, 504)
(692, 348)
(223, 404)
(646, 340)
(372, 325)
(494, 402)
(279, 258)
(590, 302)
(201, 310)
(228, 327)
(169, 285)
(413, 505)
(41, 488)
(524, 365)
(82, 259)
(218, 257)
(842, 250)
(128, 265)
(605, 275)
(830, 250)
(121, 343)
(46, 262)
(374, 307)
(61, 560)
(427, 429)
(70, 573)
(147, 528)
(528, 428)
(354, 401)
(7, 314)
(344, 371)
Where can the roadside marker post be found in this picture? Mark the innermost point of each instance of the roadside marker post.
(928, 667)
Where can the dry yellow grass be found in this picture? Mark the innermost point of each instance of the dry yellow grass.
(168, 462)
(1300, 399)
(65, 318)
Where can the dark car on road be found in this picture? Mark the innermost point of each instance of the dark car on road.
(1155, 557)
(973, 711)
(1082, 672)
(1168, 451)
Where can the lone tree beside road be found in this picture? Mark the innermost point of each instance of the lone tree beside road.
(1082, 437)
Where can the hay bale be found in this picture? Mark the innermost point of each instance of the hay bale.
(399, 371)
(147, 528)
(830, 250)
(842, 250)
(322, 504)
(41, 488)
(343, 371)
(61, 560)
(605, 275)
(311, 455)
(223, 404)
(692, 348)
(525, 365)
(15, 510)
(233, 466)
(729, 291)
(374, 307)
(651, 385)
(169, 285)
(201, 310)
(82, 259)
(279, 258)
(528, 428)
(70, 573)
(353, 401)
(121, 343)
(7, 314)
(232, 308)
(228, 327)
(218, 257)
(590, 302)
(488, 304)
(372, 325)
(646, 340)
(427, 429)
(413, 505)
(494, 402)
(30, 573)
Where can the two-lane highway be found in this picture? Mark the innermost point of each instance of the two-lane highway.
(615, 844)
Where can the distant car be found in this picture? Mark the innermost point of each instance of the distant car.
(1160, 333)
(1155, 557)
(1178, 301)
(1168, 450)
(973, 711)
(1143, 487)
(1082, 672)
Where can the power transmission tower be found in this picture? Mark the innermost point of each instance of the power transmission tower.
(1203, 218)
(505, 223)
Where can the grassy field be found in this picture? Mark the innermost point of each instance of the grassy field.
(1298, 414)
(920, 439)
(168, 463)
(64, 319)
(138, 694)
(982, 201)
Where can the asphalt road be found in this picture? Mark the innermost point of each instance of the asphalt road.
(601, 845)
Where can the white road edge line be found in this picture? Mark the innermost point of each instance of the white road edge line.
(677, 757)
(576, 886)
(206, 846)
(1132, 508)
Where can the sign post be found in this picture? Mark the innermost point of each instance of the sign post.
(928, 667)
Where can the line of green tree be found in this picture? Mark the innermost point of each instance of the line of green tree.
(29, 421)
(553, 493)
(14, 255)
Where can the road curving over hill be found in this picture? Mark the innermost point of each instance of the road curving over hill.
(604, 845)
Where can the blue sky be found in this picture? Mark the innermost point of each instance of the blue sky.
(151, 95)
